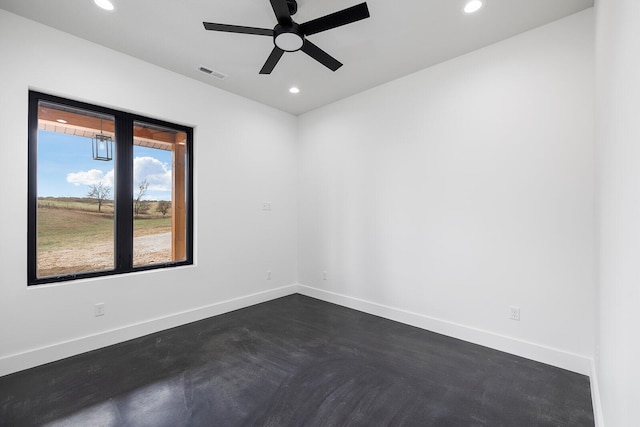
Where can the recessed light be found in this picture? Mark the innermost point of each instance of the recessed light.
(104, 4)
(473, 6)
(294, 90)
(61, 121)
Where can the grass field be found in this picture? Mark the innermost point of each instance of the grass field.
(76, 204)
(74, 237)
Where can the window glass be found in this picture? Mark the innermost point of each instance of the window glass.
(75, 191)
(159, 205)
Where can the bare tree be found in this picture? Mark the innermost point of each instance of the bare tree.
(163, 207)
(100, 192)
(141, 206)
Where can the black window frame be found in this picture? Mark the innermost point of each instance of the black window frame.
(123, 197)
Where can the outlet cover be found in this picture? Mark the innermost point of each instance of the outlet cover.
(514, 313)
(99, 309)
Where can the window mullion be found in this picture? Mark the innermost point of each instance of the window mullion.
(124, 193)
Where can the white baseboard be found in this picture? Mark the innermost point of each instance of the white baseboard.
(39, 356)
(540, 353)
(595, 396)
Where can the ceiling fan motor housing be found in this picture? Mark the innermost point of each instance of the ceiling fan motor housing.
(288, 37)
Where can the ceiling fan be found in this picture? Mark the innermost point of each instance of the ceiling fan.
(288, 36)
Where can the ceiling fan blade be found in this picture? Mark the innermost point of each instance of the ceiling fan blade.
(281, 9)
(337, 19)
(237, 29)
(321, 56)
(272, 60)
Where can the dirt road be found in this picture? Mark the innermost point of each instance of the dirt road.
(151, 249)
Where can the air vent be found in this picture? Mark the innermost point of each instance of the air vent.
(214, 73)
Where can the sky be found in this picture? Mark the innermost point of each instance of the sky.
(66, 168)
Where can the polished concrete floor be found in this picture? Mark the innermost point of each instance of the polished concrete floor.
(295, 361)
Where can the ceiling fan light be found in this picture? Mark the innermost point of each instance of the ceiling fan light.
(104, 4)
(289, 42)
(473, 6)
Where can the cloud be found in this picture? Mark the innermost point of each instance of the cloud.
(90, 177)
(109, 178)
(157, 174)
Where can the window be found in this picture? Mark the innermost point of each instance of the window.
(109, 192)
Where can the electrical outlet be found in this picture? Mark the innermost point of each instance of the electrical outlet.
(266, 206)
(514, 313)
(268, 275)
(98, 309)
(324, 275)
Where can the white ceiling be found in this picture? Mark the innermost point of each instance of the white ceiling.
(401, 37)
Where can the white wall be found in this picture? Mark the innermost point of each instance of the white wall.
(618, 153)
(245, 154)
(444, 197)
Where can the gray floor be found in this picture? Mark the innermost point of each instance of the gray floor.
(295, 361)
